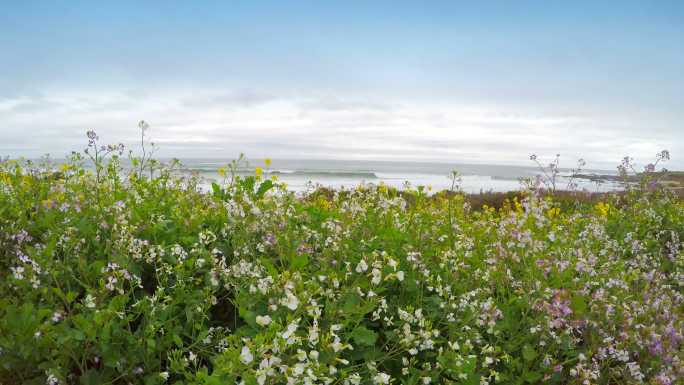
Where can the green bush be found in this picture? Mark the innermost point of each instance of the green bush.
(115, 275)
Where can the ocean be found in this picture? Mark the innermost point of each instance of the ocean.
(302, 175)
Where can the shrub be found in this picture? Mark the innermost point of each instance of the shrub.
(124, 277)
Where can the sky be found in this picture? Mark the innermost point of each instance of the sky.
(444, 81)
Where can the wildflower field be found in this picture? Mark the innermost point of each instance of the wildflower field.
(113, 275)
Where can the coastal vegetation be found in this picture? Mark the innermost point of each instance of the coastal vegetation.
(118, 275)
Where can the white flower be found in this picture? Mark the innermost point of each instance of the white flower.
(355, 379)
(635, 371)
(313, 333)
(400, 275)
(337, 345)
(89, 301)
(291, 329)
(246, 356)
(362, 266)
(111, 282)
(52, 380)
(290, 301)
(18, 272)
(377, 276)
(382, 378)
(263, 320)
(164, 375)
(261, 380)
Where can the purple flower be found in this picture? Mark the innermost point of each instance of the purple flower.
(656, 348)
(270, 239)
(304, 249)
(22, 237)
(662, 379)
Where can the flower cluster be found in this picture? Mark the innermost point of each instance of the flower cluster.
(134, 279)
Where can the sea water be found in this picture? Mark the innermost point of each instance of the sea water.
(301, 175)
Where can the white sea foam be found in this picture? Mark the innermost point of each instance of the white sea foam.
(301, 175)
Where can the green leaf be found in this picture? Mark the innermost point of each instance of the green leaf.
(264, 187)
(351, 303)
(468, 368)
(77, 334)
(70, 296)
(532, 377)
(216, 189)
(529, 353)
(177, 340)
(578, 305)
(151, 344)
(299, 261)
(248, 183)
(248, 316)
(364, 336)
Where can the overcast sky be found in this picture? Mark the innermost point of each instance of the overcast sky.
(422, 80)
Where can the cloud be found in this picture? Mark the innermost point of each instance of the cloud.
(239, 98)
(222, 124)
(332, 103)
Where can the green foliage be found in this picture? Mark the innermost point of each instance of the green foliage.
(136, 275)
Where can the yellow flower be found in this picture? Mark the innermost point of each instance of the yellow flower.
(602, 208)
(518, 206)
(324, 203)
(382, 188)
(258, 171)
(267, 162)
(553, 212)
(222, 171)
(64, 167)
(274, 178)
